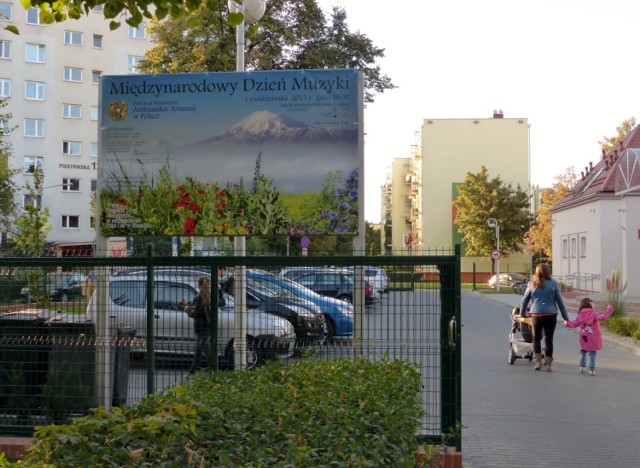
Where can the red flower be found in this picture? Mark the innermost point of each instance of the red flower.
(121, 201)
(176, 205)
(201, 191)
(185, 197)
(195, 207)
(189, 226)
(222, 193)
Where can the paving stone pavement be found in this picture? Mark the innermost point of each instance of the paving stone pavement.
(516, 417)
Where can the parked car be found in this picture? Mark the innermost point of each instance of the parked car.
(330, 282)
(508, 279)
(335, 283)
(377, 278)
(305, 316)
(62, 287)
(338, 314)
(267, 335)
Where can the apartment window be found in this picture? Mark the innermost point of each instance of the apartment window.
(574, 247)
(94, 149)
(33, 16)
(94, 113)
(34, 91)
(5, 49)
(31, 163)
(34, 53)
(72, 148)
(565, 248)
(34, 128)
(72, 111)
(5, 87)
(137, 33)
(73, 74)
(29, 200)
(94, 185)
(583, 246)
(70, 222)
(4, 126)
(97, 41)
(6, 13)
(92, 222)
(132, 65)
(73, 38)
(70, 185)
(95, 76)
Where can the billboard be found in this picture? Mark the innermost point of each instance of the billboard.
(238, 153)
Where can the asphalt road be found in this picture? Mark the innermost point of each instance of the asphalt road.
(515, 417)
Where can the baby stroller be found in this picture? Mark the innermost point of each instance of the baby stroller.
(520, 346)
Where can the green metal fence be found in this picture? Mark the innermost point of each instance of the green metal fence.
(76, 333)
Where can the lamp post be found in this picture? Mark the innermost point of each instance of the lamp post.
(252, 11)
(495, 255)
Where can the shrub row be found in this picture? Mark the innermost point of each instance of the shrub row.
(623, 326)
(314, 413)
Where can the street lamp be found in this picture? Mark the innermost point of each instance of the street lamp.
(495, 255)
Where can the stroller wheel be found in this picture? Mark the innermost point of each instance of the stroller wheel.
(512, 355)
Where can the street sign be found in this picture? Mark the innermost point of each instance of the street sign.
(305, 242)
(492, 223)
(496, 255)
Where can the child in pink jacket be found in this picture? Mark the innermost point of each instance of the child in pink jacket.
(590, 336)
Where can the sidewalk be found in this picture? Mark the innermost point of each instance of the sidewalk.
(572, 302)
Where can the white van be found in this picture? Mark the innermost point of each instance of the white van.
(268, 336)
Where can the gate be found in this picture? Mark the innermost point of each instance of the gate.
(57, 360)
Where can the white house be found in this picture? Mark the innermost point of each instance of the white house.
(596, 226)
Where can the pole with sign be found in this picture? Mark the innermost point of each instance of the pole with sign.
(495, 255)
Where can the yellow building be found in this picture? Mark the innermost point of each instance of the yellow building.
(451, 148)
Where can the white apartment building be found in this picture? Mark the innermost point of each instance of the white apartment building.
(51, 75)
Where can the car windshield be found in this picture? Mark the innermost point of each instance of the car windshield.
(291, 286)
(261, 289)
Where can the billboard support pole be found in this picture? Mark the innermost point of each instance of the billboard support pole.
(239, 242)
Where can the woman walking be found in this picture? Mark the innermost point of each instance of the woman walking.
(544, 294)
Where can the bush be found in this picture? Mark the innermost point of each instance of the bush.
(316, 413)
(623, 326)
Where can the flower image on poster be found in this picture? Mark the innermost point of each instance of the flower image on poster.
(219, 154)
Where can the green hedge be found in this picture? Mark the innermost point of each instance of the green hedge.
(311, 414)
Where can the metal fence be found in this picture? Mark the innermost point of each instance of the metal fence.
(76, 333)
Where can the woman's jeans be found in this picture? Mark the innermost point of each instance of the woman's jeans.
(592, 359)
(201, 354)
(544, 324)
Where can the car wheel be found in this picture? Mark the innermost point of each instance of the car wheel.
(512, 355)
(329, 330)
(254, 357)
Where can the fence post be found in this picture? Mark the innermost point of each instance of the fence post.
(151, 356)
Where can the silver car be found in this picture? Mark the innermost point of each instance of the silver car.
(268, 336)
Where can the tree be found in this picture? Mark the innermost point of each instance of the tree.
(31, 225)
(372, 240)
(622, 130)
(293, 34)
(61, 10)
(8, 187)
(481, 198)
(538, 239)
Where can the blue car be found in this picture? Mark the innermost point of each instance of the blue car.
(338, 314)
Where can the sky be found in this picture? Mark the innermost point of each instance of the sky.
(568, 66)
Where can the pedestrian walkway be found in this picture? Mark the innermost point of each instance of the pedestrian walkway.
(572, 303)
(513, 416)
